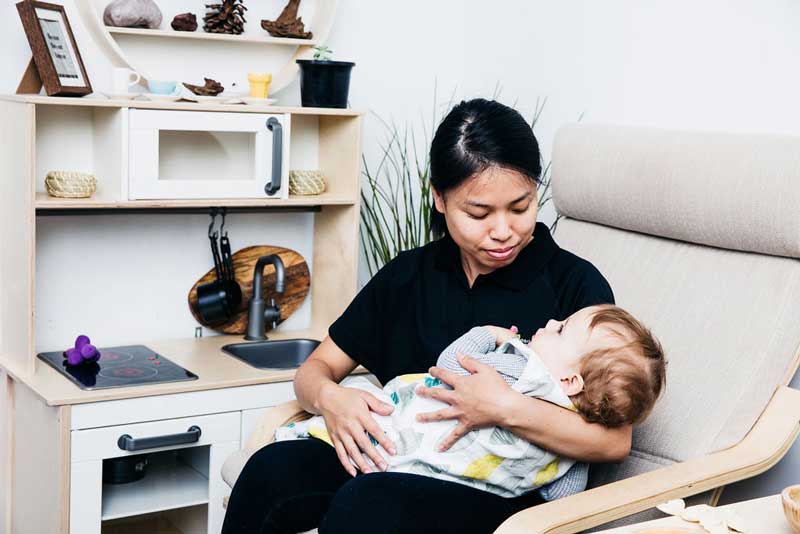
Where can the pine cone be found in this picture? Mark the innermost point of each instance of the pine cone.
(227, 17)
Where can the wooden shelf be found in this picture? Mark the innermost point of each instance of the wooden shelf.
(168, 484)
(91, 101)
(139, 525)
(46, 202)
(243, 38)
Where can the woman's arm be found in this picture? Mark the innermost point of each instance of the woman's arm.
(326, 367)
(562, 431)
(484, 399)
(346, 410)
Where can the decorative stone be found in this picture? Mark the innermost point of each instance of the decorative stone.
(132, 14)
(185, 22)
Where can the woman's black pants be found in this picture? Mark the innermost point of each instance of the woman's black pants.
(294, 486)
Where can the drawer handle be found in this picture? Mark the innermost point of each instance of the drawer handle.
(274, 125)
(127, 443)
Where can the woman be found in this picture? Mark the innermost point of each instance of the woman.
(494, 265)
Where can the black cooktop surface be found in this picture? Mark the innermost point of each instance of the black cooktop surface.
(119, 367)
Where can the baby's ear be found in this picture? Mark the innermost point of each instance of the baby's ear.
(572, 384)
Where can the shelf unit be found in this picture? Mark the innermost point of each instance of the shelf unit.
(199, 34)
(45, 133)
(168, 484)
(117, 45)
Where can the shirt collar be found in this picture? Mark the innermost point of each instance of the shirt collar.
(515, 276)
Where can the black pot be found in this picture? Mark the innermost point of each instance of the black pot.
(124, 469)
(324, 84)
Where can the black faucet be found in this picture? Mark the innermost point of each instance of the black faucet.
(258, 313)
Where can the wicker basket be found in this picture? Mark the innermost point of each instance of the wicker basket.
(70, 184)
(306, 183)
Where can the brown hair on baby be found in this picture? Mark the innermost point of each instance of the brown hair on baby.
(621, 383)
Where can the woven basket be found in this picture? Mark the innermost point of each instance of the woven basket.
(70, 184)
(306, 183)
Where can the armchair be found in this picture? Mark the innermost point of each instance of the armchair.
(699, 236)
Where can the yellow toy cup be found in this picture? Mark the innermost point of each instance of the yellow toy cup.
(259, 84)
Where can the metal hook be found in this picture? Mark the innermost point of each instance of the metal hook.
(222, 226)
(213, 214)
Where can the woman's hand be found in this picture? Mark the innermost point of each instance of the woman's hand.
(347, 416)
(501, 335)
(475, 401)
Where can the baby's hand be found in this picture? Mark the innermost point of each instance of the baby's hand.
(501, 335)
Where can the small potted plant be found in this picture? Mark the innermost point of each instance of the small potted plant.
(324, 83)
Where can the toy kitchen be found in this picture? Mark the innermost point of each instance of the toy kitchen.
(133, 359)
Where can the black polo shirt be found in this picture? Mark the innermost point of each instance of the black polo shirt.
(420, 302)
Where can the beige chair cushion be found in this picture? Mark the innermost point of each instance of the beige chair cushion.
(263, 435)
(681, 224)
(732, 191)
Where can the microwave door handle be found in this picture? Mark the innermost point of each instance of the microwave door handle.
(274, 125)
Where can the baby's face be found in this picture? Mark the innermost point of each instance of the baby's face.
(560, 344)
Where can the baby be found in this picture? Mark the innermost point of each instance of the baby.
(600, 362)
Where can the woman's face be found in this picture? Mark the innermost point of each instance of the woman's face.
(490, 217)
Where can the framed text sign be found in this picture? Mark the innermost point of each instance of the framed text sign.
(55, 52)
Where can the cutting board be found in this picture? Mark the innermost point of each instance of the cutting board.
(297, 279)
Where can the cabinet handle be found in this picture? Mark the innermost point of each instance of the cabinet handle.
(127, 443)
(274, 125)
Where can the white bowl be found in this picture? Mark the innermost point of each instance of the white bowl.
(155, 97)
(124, 96)
(254, 101)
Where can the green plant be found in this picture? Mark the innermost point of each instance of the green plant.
(322, 53)
(396, 200)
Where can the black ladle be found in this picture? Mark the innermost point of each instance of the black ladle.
(230, 285)
(217, 301)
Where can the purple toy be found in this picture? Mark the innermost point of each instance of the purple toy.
(73, 356)
(83, 351)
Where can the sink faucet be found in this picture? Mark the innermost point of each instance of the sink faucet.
(258, 312)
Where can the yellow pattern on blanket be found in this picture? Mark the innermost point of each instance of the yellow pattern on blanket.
(483, 467)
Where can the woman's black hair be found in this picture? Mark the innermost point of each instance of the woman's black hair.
(475, 135)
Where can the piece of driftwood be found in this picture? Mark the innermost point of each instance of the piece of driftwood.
(184, 22)
(288, 24)
(211, 88)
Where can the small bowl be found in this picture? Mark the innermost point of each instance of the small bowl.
(791, 506)
(162, 87)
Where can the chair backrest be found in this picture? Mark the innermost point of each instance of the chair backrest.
(699, 237)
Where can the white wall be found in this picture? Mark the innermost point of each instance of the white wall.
(719, 64)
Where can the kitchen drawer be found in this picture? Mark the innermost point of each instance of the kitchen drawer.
(100, 443)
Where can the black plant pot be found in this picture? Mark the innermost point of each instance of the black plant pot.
(324, 84)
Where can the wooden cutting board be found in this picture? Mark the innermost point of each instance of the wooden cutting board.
(297, 279)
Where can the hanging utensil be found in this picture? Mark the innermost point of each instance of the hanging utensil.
(217, 300)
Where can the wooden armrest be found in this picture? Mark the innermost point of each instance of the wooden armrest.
(263, 435)
(765, 444)
(280, 415)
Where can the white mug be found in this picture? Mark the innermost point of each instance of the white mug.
(122, 79)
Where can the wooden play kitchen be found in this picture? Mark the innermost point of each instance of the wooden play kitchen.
(64, 435)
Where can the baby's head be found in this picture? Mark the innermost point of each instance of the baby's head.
(607, 362)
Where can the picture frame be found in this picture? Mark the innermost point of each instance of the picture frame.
(55, 53)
